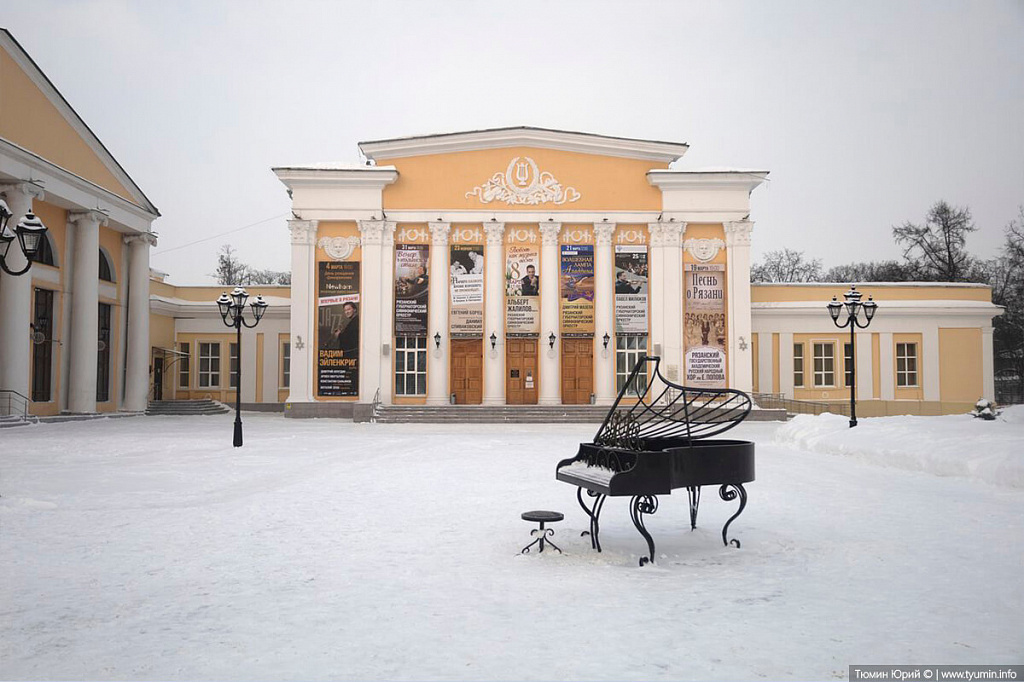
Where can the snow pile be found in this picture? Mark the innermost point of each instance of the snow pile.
(951, 445)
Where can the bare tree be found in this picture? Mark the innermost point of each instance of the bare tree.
(1006, 277)
(872, 271)
(936, 251)
(786, 265)
(232, 271)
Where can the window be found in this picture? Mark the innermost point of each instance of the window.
(209, 365)
(824, 364)
(906, 364)
(106, 270)
(628, 350)
(410, 365)
(233, 366)
(848, 363)
(798, 365)
(286, 364)
(42, 347)
(103, 356)
(45, 253)
(183, 366)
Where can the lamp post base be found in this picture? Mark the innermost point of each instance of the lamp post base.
(238, 433)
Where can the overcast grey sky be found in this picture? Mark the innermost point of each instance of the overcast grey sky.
(865, 113)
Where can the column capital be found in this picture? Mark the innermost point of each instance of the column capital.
(147, 238)
(603, 233)
(666, 234)
(495, 233)
(303, 231)
(32, 191)
(88, 216)
(439, 232)
(549, 232)
(388, 234)
(372, 232)
(737, 233)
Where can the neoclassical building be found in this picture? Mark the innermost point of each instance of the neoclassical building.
(74, 330)
(533, 266)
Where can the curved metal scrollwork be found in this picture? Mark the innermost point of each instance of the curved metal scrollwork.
(594, 513)
(729, 492)
(541, 535)
(639, 506)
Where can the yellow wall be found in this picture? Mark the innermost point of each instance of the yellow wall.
(960, 368)
(809, 391)
(221, 392)
(30, 120)
(604, 183)
(769, 293)
(755, 342)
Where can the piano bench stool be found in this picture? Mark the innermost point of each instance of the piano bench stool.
(541, 534)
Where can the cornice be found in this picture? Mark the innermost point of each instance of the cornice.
(371, 177)
(679, 179)
(524, 136)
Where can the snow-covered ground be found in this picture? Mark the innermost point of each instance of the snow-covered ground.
(149, 548)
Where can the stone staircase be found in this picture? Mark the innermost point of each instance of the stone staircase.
(515, 414)
(185, 407)
(7, 421)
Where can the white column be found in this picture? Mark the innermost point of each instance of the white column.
(604, 313)
(988, 374)
(437, 315)
(303, 300)
(137, 370)
(672, 282)
(494, 315)
(370, 346)
(16, 298)
(85, 312)
(656, 289)
(737, 245)
(387, 278)
(865, 374)
(930, 362)
(765, 359)
(786, 364)
(885, 366)
(549, 357)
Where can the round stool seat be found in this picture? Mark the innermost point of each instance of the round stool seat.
(540, 516)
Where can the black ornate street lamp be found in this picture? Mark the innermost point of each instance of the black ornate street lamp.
(29, 232)
(853, 308)
(232, 309)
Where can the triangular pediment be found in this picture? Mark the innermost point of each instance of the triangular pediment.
(523, 136)
(36, 117)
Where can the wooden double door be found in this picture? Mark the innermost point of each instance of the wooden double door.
(467, 371)
(577, 371)
(521, 377)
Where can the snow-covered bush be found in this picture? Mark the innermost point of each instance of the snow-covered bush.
(985, 409)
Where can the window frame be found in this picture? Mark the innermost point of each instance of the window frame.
(285, 379)
(184, 362)
(418, 371)
(233, 363)
(630, 348)
(801, 371)
(823, 372)
(212, 372)
(103, 356)
(907, 373)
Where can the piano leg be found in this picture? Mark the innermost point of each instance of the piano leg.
(594, 513)
(640, 505)
(693, 493)
(728, 495)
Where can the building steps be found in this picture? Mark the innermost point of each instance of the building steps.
(515, 414)
(185, 407)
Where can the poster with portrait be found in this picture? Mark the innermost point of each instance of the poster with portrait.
(704, 326)
(630, 290)
(522, 290)
(466, 291)
(412, 289)
(576, 290)
(337, 305)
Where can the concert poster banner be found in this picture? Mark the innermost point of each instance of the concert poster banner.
(704, 326)
(630, 290)
(576, 290)
(466, 289)
(522, 290)
(412, 289)
(337, 364)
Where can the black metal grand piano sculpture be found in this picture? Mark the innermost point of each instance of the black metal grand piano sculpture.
(659, 444)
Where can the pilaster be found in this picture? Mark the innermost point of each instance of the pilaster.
(303, 296)
(387, 276)
(737, 245)
(494, 314)
(549, 267)
(672, 283)
(437, 315)
(84, 311)
(604, 313)
(16, 298)
(137, 368)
